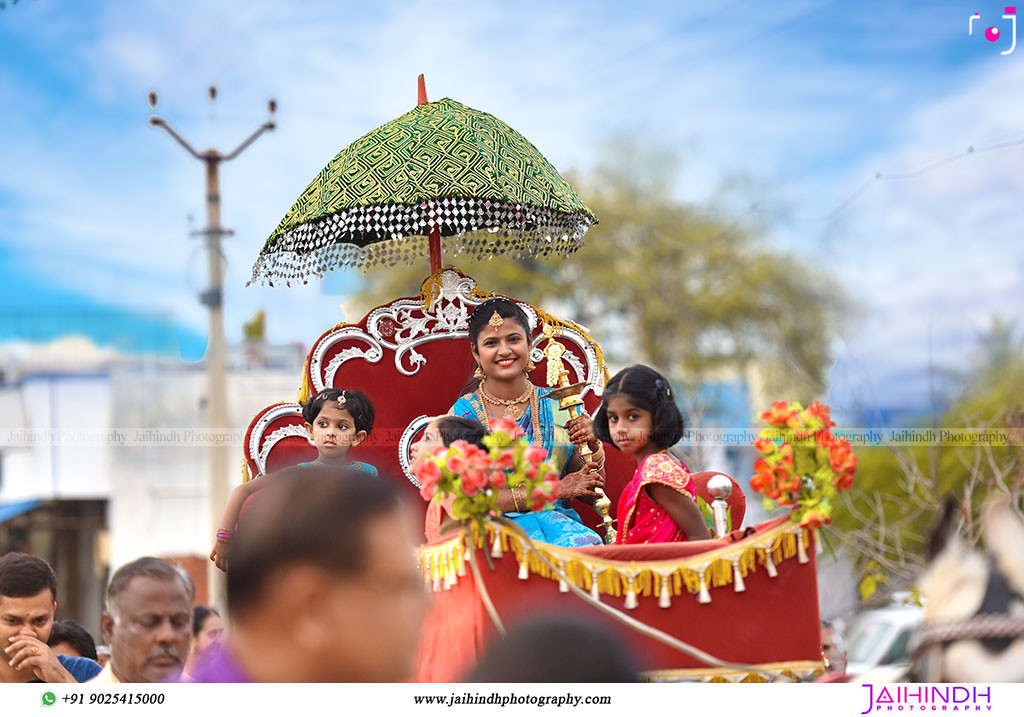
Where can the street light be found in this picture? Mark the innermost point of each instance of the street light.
(213, 300)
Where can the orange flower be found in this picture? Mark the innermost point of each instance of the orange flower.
(786, 453)
(779, 415)
(765, 445)
(841, 457)
(844, 480)
(759, 482)
(822, 413)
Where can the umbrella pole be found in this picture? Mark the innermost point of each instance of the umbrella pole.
(434, 238)
(434, 242)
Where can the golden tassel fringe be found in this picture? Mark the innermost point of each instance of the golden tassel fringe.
(794, 670)
(304, 387)
(444, 561)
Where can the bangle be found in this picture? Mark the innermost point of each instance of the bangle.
(224, 535)
(519, 497)
(515, 500)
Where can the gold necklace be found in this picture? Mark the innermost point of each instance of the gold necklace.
(512, 410)
(483, 416)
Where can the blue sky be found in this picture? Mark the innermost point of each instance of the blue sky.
(807, 99)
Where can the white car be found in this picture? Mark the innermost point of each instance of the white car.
(879, 637)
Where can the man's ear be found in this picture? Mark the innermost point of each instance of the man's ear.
(304, 592)
(359, 438)
(106, 626)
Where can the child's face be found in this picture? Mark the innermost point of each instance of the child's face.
(629, 425)
(334, 431)
(425, 446)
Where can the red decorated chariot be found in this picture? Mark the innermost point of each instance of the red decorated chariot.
(747, 598)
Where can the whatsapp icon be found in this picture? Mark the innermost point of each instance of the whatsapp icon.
(49, 698)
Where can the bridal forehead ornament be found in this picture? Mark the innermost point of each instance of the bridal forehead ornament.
(496, 321)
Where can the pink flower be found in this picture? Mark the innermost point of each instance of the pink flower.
(476, 457)
(473, 481)
(428, 490)
(503, 425)
(535, 455)
(506, 461)
(428, 473)
(498, 479)
(543, 494)
(456, 464)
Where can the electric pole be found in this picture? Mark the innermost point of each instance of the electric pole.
(213, 300)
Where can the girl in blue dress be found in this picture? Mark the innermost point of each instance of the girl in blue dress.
(336, 420)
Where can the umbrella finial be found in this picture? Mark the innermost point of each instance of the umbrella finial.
(422, 100)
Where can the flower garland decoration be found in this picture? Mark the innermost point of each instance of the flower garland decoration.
(802, 464)
(474, 475)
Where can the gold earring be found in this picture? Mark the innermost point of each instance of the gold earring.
(479, 373)
(530, 365)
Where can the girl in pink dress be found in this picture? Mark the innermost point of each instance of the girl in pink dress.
(638, 414)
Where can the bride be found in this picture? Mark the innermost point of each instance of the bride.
(501, 388)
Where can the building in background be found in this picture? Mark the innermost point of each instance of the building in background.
(103, 456)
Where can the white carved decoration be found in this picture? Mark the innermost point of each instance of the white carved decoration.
(405, 446)
(258, 449)
(272, 440)
(402, 326)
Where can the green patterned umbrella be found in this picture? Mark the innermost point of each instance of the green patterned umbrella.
(441, 170)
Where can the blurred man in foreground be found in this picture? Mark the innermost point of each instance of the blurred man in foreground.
(28, 602)
(323, 585)
(148, 623)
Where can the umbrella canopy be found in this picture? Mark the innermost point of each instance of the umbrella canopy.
(443, 169)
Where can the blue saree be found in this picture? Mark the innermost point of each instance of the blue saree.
(559, 525)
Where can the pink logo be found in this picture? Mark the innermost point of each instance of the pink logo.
(993, 34)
